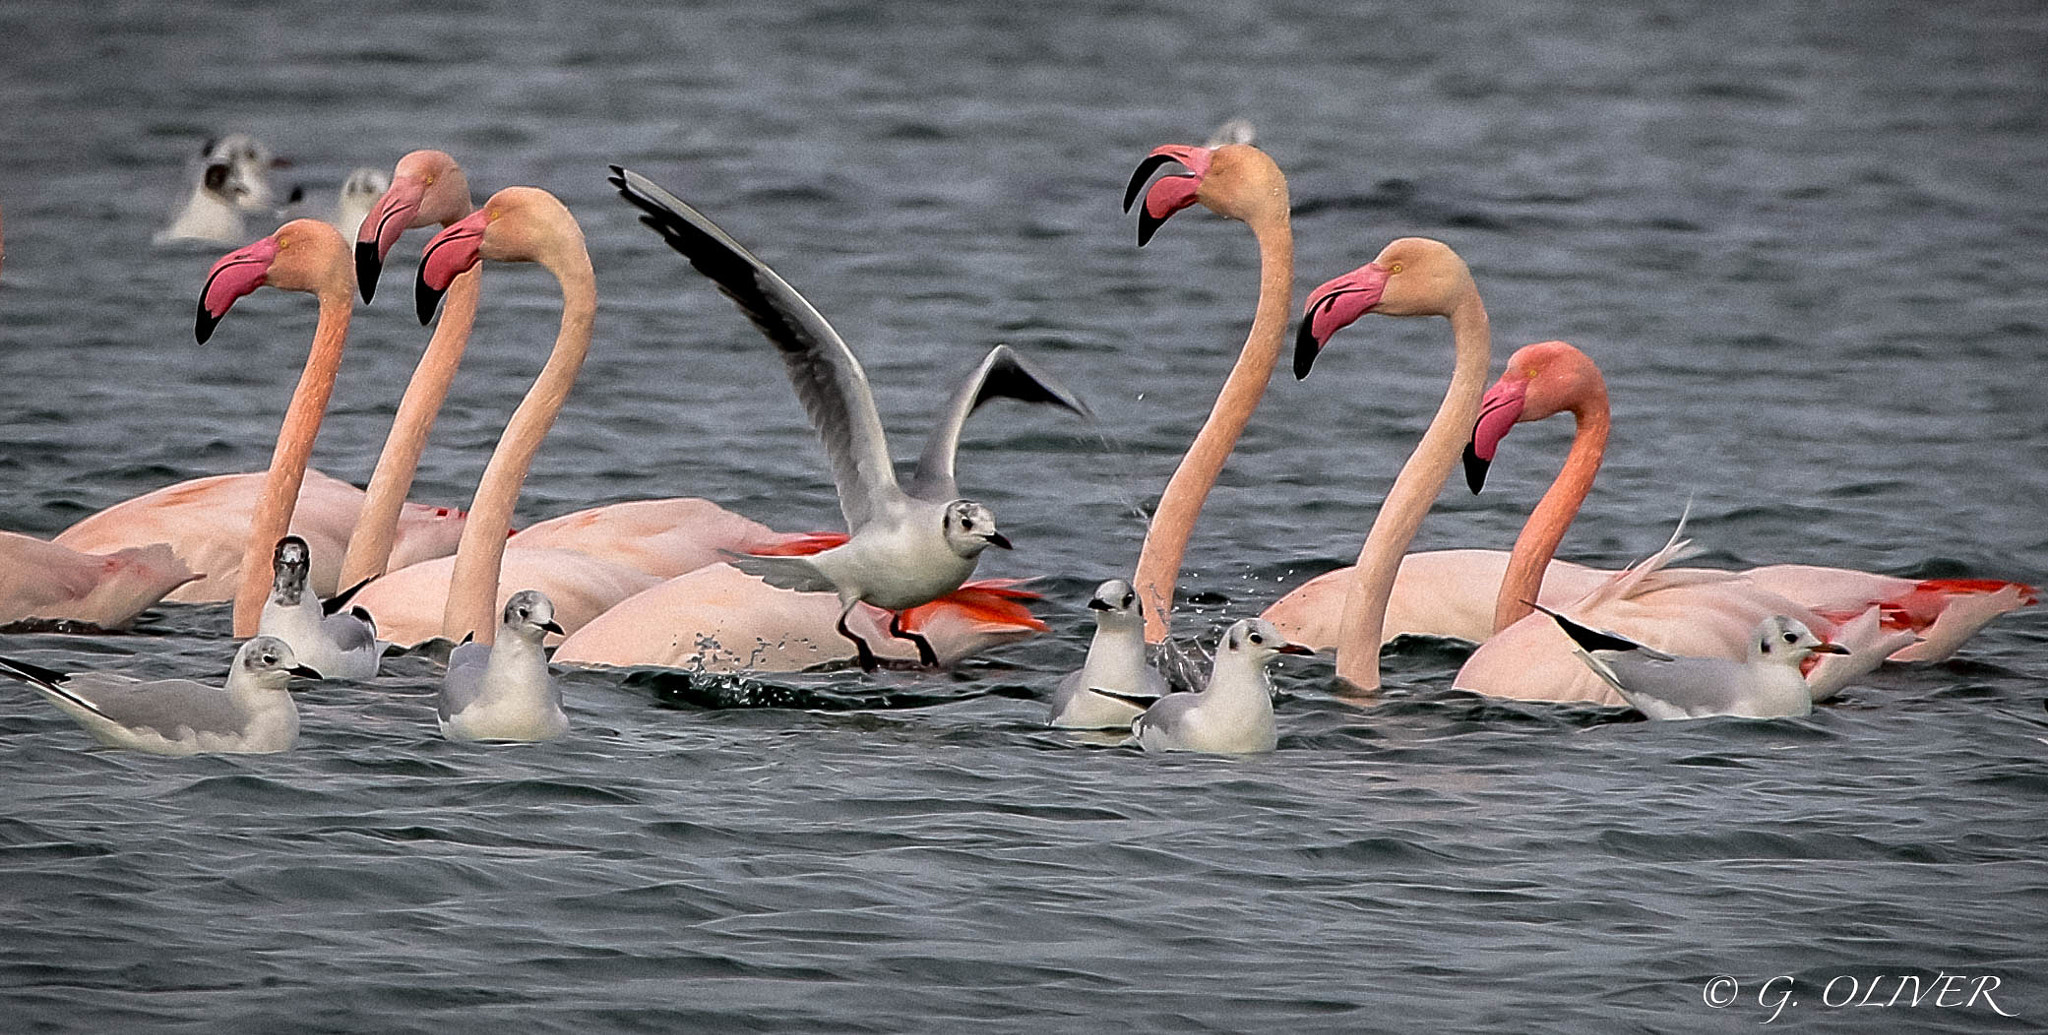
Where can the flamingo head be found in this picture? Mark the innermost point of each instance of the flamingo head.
(517, 224)
(1542, 380)
(303, 255)
(427, 189)
(1413, 276)
(1234, 180)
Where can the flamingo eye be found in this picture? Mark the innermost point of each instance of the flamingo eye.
(1395, 268)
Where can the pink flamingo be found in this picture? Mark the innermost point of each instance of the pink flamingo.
(1237, 181)
(1684, 612)
(45, 581)
(1553, 377)
(456, 596)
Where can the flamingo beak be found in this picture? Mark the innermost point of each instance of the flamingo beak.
(390, 217)
(1498, 413)
(1334, 306)
(1171, 193)
(236, 274)
(452, 251)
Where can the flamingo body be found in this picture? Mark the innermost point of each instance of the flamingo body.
(106, 590)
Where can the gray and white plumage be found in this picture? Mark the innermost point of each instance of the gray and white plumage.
(358, 195)
(252, 714)
(908, 547)
(340, 644)
(1116, 684)
(503, 691)
(1767, 684)
(1234, 713)
(231, 177)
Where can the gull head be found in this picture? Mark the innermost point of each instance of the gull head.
(1116, 602)
(971, 528)
(1787, 641)
(290, 562)
(270, 663)
(530, 615)
(1258, 640)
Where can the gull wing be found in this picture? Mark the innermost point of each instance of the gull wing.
(1002, 374)
(828, 379)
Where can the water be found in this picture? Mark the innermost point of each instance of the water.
(1804, 241)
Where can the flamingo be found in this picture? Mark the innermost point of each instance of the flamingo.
(1678, 611)
(1236, 181)
(461, 595)
(1553, 377)
(40, 580)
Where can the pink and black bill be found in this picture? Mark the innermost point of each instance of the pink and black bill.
(1171, 193)
(381, 229)
(1331, 308)
(1498, 412)
(236, 274)
(451, 252)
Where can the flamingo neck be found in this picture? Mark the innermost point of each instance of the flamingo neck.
(1554, 513)
(1415, 490)
(473, 587)
(369, 546)
(273, 514)
(1173, 521)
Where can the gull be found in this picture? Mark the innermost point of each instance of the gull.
(1115, 684)
(1234, 714)
(907, 547)
(502, 690)
(1766, 685)
(340, 644)
(254, 714)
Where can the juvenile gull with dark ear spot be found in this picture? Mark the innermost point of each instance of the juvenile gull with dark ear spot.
(253, 714)
(1768, 684)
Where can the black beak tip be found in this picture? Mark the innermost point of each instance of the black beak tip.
(1475, 469)
(552, 627)
(1305, 349)
(368, 268)
(426, 299)
(305, 673)
(1097, 605)
(1147, 226)
(202, 329)
(999, 539)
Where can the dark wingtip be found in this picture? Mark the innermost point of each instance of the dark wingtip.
(425, 298)
(1475, 469)
(1305, 349)
(368, 268)
(203, 327)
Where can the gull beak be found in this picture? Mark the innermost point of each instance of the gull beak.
(1829, 648)
(305, 673)
(553, 627)
(1097, 605)
(1295, 648)
(999, 539)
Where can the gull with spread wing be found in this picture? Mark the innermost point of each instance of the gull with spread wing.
(908, 546)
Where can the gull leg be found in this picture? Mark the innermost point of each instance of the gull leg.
(925, 653)
(867, 655)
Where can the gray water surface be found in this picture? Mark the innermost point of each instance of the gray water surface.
(1805, 241)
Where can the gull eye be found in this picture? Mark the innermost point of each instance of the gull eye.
(1791, 637)
(967, 524)
(1129, 599)
(1256, 638)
